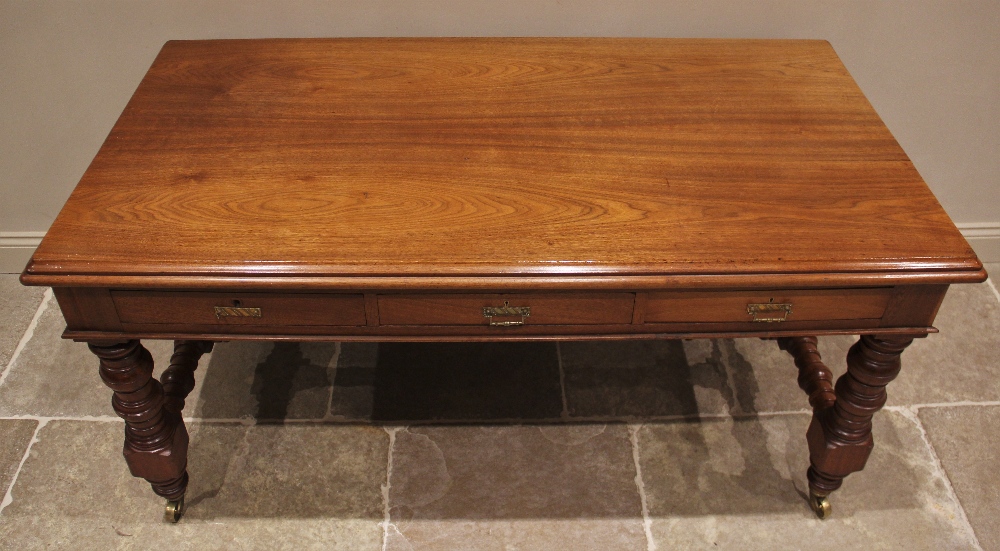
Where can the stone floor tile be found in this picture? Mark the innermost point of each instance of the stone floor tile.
(960, 363)
(957, 364)
(15, 435)
(514, 487)
(261, 487)
(967, 441)
(741, 485)
(17, 306)
(643, 378)
(57, 377)
(466, 381)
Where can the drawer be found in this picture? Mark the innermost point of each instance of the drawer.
(239, 308)
(506, 309)
(767, 306)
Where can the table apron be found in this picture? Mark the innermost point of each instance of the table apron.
(96, 313)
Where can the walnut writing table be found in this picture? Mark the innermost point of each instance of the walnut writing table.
(499, 189)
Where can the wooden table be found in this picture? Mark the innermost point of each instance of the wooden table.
(499, 189)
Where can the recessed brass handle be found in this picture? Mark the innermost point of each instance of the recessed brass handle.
(507, 311)
(769, 312)
(236, 312)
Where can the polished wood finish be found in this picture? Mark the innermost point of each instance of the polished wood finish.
(88, 308)
(840, 437)
(498, 157)
(178, 378)
(545, 309)
(577, 282)
(913, 304)
(731, 306)
(156, 440)
(288, 310)
(389, 189)
(815, 378)
(467, 333)
(356, 316)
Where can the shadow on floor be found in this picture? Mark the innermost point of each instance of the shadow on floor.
(749, 465)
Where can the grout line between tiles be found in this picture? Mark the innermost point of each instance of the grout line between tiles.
(250, 421)
(911, 414)
(386, 519)
(28, 333)
(562, 382)
(988, 403)
(504, 421)
(8, 497)
(552, 420)
(647, 523)
(989, 281)
(46, 418)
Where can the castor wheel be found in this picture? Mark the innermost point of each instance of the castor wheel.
(174, 510)
(820, 505)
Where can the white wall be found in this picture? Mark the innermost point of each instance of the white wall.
(931, 68)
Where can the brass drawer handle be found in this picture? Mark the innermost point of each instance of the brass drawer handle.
(236, 311)
(769, 312)
(508, 311)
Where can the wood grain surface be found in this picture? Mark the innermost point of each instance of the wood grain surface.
(545, 309)
(826, 304)
(274, 309)
(499, 157)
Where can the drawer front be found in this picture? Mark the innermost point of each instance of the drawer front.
(506, 309)
(239, 308)
(767, 306)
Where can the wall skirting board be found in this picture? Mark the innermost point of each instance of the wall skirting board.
(16, 247)
(985, 240)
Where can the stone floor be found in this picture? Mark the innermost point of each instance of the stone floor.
(627, 445)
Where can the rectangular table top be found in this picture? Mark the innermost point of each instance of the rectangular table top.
(488, 157)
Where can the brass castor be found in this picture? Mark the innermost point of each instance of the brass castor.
(174, 510)
(820, 505)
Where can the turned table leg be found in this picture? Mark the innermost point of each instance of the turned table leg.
(840, 436)
(156, 440)
(178, 378)
(815, 378)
